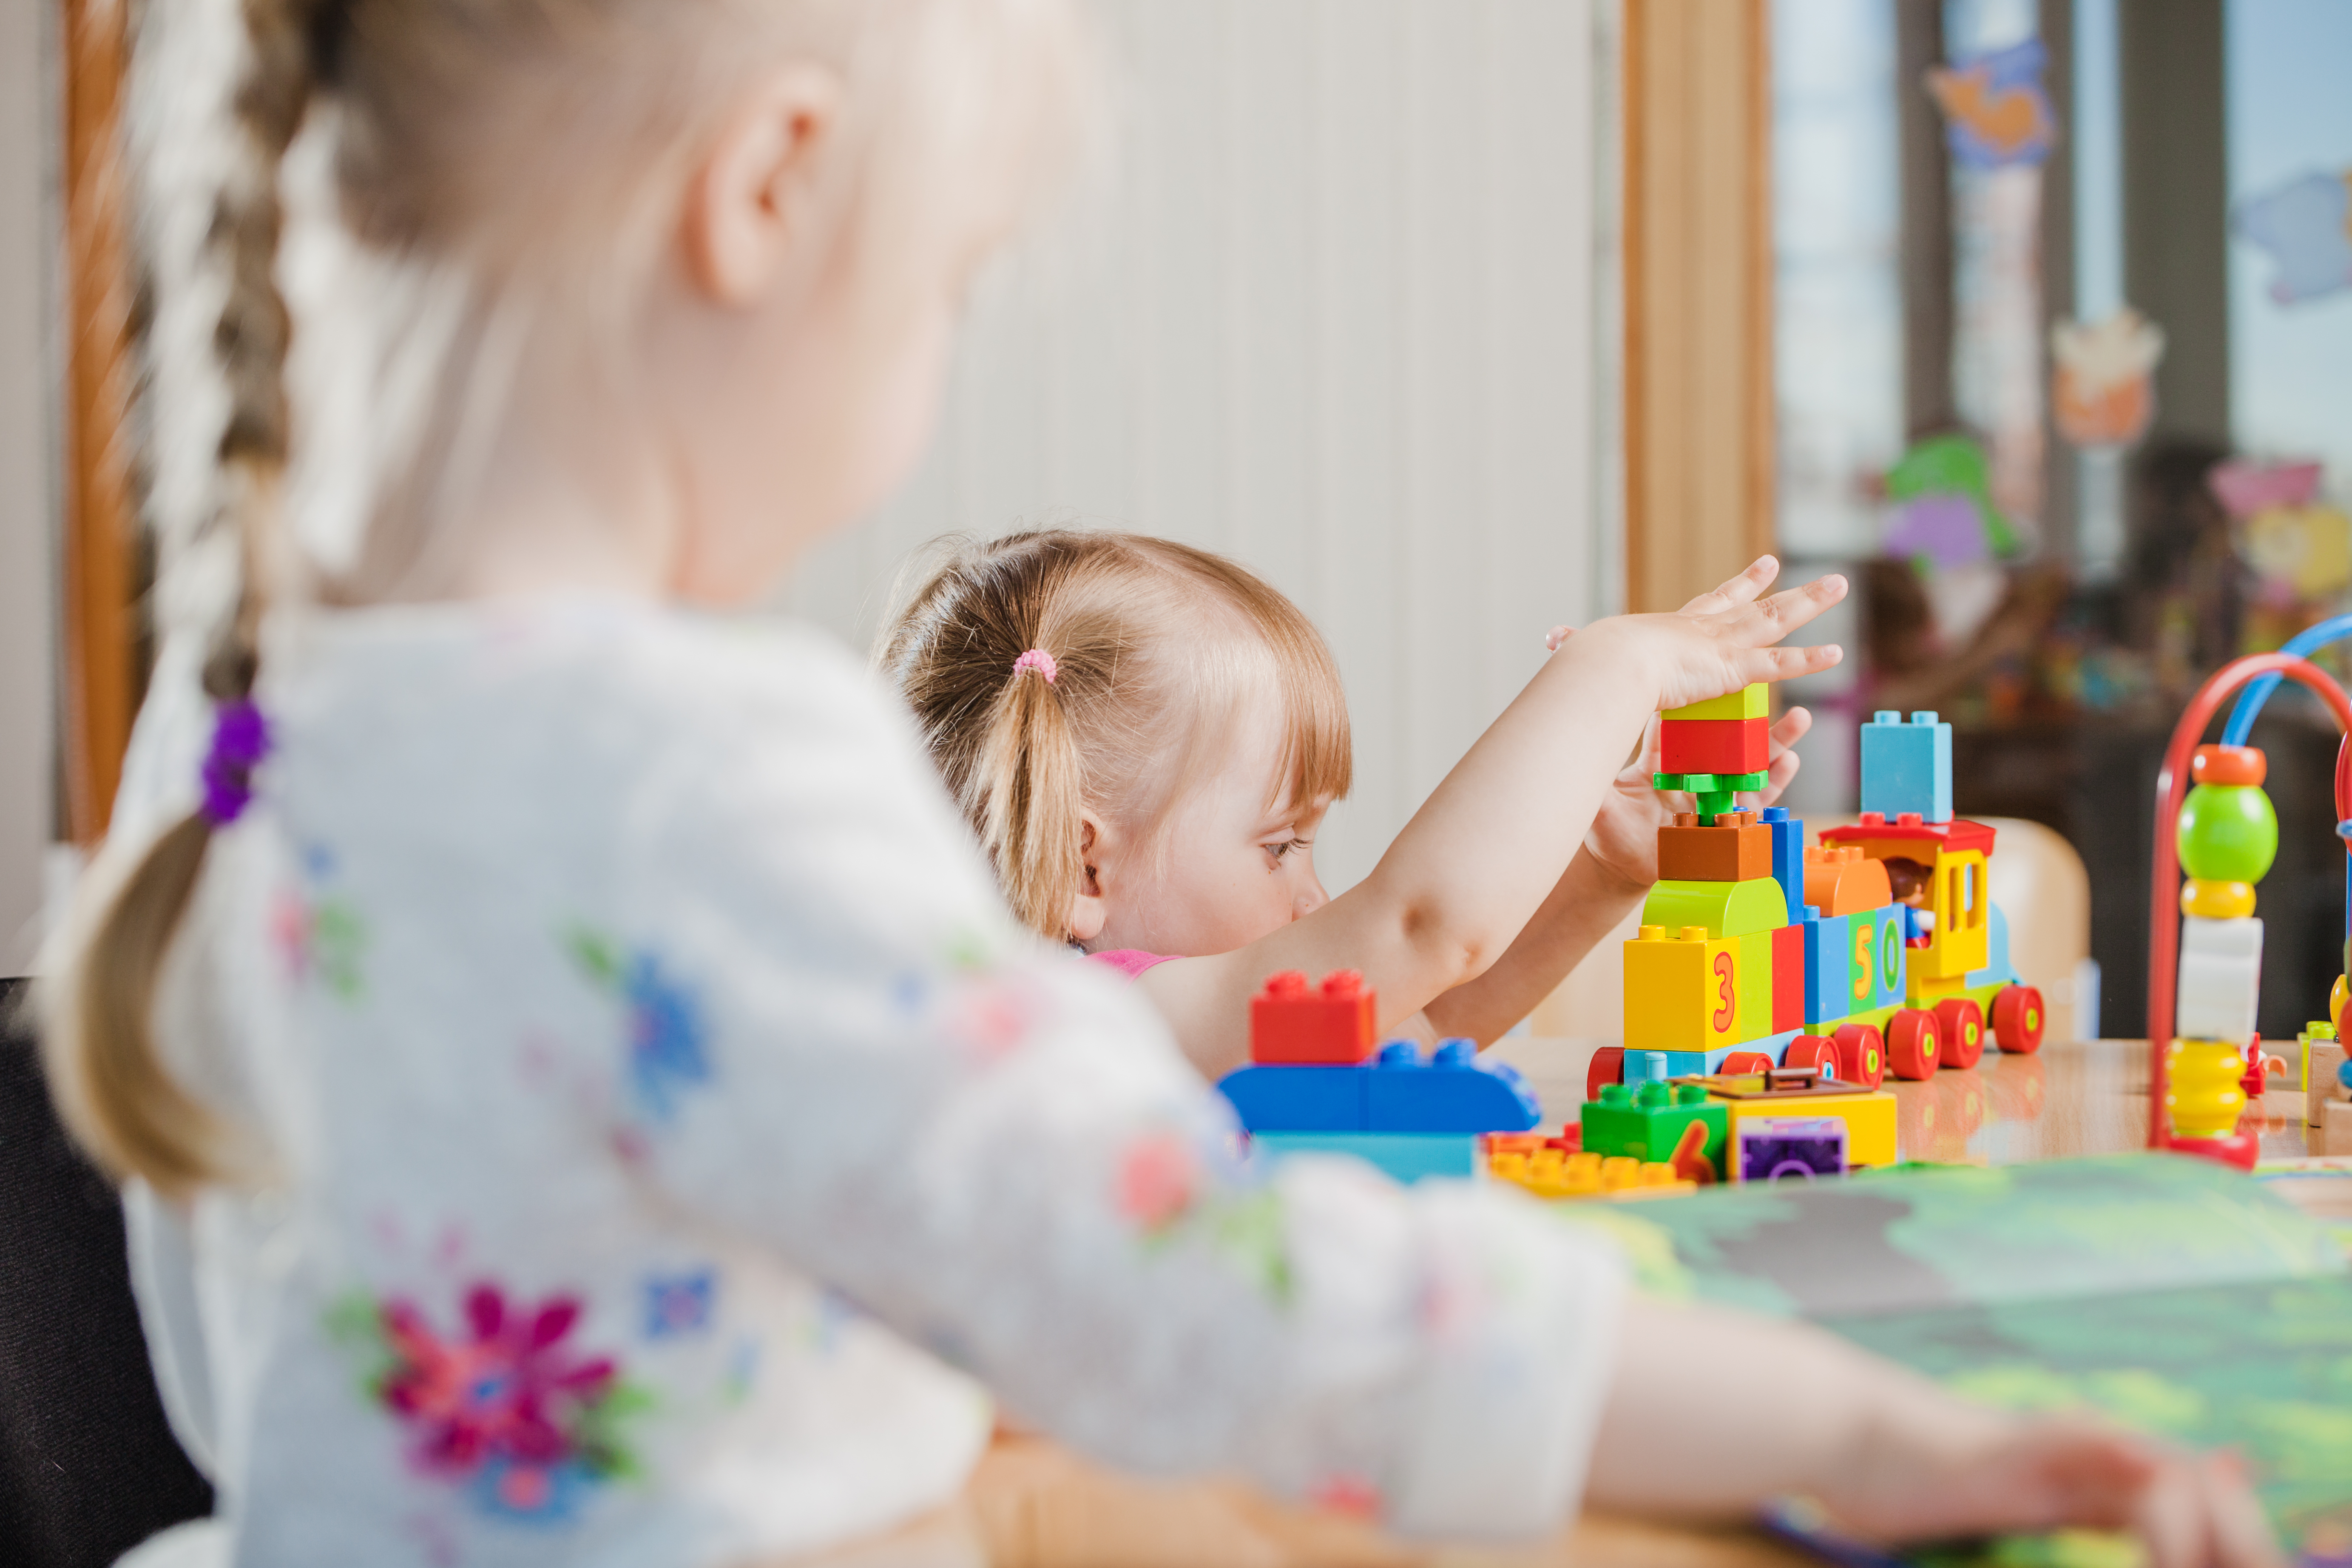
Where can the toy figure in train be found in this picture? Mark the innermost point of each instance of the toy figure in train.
(1877, 951)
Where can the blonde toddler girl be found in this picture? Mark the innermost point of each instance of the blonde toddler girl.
(580, 1097)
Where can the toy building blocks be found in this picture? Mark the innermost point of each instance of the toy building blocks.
(1869, 1116)
(1907, 767)
(2317, 1033)
(2336, 1129)
(1331, 1023)
(1649, 1123)
(1788, 855)
(1778, 1147)
(1840, 880)
(1453, 1092)
(1753, 700)
(1733, 848)
(2322, 1068)
(1405, 1156)
(1549, 1172)
(1713, 745)
(1723, 909)
(1682, 991)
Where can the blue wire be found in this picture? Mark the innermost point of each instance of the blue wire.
(2303, 645)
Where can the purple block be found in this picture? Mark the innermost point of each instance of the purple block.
(1791, 1148)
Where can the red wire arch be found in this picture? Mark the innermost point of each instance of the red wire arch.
(2171, 789)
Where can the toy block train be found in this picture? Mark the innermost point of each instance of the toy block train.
(1877, 951)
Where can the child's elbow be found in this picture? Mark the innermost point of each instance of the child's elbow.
(1453, 949)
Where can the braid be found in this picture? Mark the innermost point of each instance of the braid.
(109, 1080)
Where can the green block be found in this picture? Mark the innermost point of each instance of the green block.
(1648, 1124)
(1754, 1020)
(1724, 908)
(1752, 702)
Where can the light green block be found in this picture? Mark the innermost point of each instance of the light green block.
(1754, 985)
(1748, 702)
(1724, 908)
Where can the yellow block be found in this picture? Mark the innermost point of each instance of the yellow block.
(1683, 992)
(1959, 944)
(1724, 908)
(1869, 1122)
(1748, 702)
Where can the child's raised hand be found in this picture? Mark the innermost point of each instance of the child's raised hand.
(1624, 836)
(1724, 639)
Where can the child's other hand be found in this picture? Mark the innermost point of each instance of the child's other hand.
(1624, 836)
(2009, 1478)
(1723, 640)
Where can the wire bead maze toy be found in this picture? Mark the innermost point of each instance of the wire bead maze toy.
(2205, 969)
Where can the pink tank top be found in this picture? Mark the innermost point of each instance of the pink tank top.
(1131, 961)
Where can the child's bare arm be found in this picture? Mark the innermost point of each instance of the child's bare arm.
(1714, 1413)
(1492, 842)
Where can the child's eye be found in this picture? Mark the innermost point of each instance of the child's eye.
(1288, 846)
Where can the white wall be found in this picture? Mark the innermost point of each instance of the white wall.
(1334, 316)
(28, 474)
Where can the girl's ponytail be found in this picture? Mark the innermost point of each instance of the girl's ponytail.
(1025, 792)
(109, 1080)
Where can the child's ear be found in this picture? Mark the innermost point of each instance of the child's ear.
(749, 204)
(1089, 911)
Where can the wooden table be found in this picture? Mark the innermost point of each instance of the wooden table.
(1032, 1505)
(2073, 1096)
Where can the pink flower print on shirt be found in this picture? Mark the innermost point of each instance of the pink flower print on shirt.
(1157, 1178)
(508, 1408)
(325, 941)
(668, 1045)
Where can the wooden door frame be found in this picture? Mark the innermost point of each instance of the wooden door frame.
(99, 674)
(1700, 470)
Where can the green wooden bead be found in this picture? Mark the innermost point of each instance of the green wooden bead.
(2228, 833)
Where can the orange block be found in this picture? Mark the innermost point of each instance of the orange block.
(1840, 880)
(1737, 848)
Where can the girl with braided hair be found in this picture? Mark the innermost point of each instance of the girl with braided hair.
(579, 1095)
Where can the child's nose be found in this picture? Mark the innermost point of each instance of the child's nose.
(1311, 897)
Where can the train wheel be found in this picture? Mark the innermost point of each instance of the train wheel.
(1608, 1067)
(1862, 1055)
(1960, 1024)
(1911, 1046)
(1739, 1064)
(1812, 1051)
(2018, 1019)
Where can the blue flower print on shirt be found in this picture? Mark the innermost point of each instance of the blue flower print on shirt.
(667, 1038)
(677, 1305)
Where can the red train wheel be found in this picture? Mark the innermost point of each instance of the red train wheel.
(1740, 1063)
(1911, 1046)
(1812, 1051)
(1608, 1067)
(1960, 1024)
(2018, 1019)
(1862, 1055)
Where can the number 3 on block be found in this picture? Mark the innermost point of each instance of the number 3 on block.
(1726, 992)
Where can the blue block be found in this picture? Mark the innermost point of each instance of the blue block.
(1788, 853)
(1829, 952)
(1298, 1099)
(1405, 1156)
(1907, 767)
(1454, 1091)
(1657, 1067)
(1889, 959)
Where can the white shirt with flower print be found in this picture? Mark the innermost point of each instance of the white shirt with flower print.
(670, 1134)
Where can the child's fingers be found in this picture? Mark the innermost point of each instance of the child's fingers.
(1784, 663)
(1652, 756)
(1776, 782)
(1790, 729)
(1557, 636)
(2242, 1532)
(1769, 620)
(1740, 590)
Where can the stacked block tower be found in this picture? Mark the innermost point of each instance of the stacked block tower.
(1878, 950)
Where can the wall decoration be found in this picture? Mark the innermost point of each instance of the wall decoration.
(2103, 390)
(2298, 547)
(2306, 226)
(1996, 113)
(1944, 513)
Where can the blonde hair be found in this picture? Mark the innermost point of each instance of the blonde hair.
(1156, 649)
(312, 440)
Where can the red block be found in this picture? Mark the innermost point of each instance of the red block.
(1787, 979)
(1713, 745)
(1293, 1024)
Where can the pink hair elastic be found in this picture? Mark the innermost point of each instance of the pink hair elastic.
(1038, 659)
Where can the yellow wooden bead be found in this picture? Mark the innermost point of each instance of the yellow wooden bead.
(2217, 900)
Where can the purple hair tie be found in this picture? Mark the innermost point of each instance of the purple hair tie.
(240, 739)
